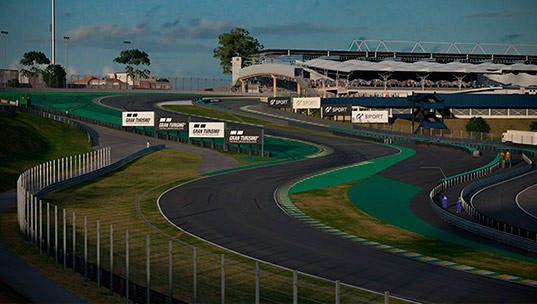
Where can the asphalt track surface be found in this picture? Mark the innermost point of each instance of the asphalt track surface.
(237, 211)
(499, 201)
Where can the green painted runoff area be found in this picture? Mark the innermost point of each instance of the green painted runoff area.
(352, 173)
(393, 207)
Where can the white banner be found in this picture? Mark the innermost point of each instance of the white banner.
(370, 116)
(206, 129)
(307, 103)
(138, 119)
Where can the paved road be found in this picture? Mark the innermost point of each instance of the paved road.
(499, 201)
(252, 224)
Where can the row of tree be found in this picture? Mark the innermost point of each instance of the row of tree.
(54, 75)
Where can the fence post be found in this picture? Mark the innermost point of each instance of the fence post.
(338, 292)
(74, 243)
(170, 291)
(386, 297)
(40, 226)
(194, 275)
(295, 287)
(64, 232)
(48, 229)
(98, 255)
(127, 265)
(148, 271)
(56, 234)
(256, 282)
(222, 278)
(85, 247)
(111, 259)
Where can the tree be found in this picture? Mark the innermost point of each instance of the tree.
(54, 76)
(477, 124)
(533, 126)
(33, 60)
(135, 58)
(162, 79)
(237, 43)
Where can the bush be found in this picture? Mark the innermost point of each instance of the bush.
(13, 83)
(477, 124)
(533, 126)
(54, 76)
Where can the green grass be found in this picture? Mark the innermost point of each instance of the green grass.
(111, 199)
(27, 140)
(332, 207)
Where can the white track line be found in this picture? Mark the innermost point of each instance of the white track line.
(518, 204)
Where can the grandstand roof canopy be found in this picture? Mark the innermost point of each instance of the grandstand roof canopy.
(350, 66)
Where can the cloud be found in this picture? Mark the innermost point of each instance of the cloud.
(500, 14)
(197, 28)
(297, 28)
(107, 69)
(72, 70)
(509, 38)
(15, 65)
(107, 35)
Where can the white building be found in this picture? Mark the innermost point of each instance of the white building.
(122, 76)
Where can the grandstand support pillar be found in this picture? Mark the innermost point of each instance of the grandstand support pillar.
(274, 89)
(242, 86)
(298, 89)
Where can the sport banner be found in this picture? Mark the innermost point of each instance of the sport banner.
(279, 102)
(307, 103)
(370, 116)
(337, 109)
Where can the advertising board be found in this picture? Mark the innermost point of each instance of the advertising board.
(206, 129)
(307, 103)
(337, 109)
(138, 119)
(369, 116)
(244, 136)
(172, 123)
(279, 102)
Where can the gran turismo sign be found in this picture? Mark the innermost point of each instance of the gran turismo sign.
(244, 136)
(172, 123)
(206, 129)
(138, 119)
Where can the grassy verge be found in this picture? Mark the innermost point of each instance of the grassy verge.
(111, 199)
(332, 207)
(27, 140)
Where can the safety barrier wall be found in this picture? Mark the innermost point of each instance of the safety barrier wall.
(482, 224)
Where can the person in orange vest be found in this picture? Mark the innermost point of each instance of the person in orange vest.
(508, 158)
(502, 159)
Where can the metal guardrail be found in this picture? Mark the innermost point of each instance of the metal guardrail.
(482, 224)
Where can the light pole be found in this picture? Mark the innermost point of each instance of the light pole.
(66, 39)
(4, 35)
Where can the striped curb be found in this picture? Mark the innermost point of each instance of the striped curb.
(283, 200)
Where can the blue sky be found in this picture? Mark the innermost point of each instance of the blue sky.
(179, 36)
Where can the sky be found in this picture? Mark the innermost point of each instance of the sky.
(180, 36)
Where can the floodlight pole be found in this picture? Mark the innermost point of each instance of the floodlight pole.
(52, 34)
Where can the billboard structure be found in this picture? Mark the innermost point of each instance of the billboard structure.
(336, 109)
(279, 102)
(370, 116)
(306, 103)
(138, 119)
(206, 129)
(172, 123)
(244, 136)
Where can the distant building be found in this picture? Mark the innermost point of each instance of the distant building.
(141, 83)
